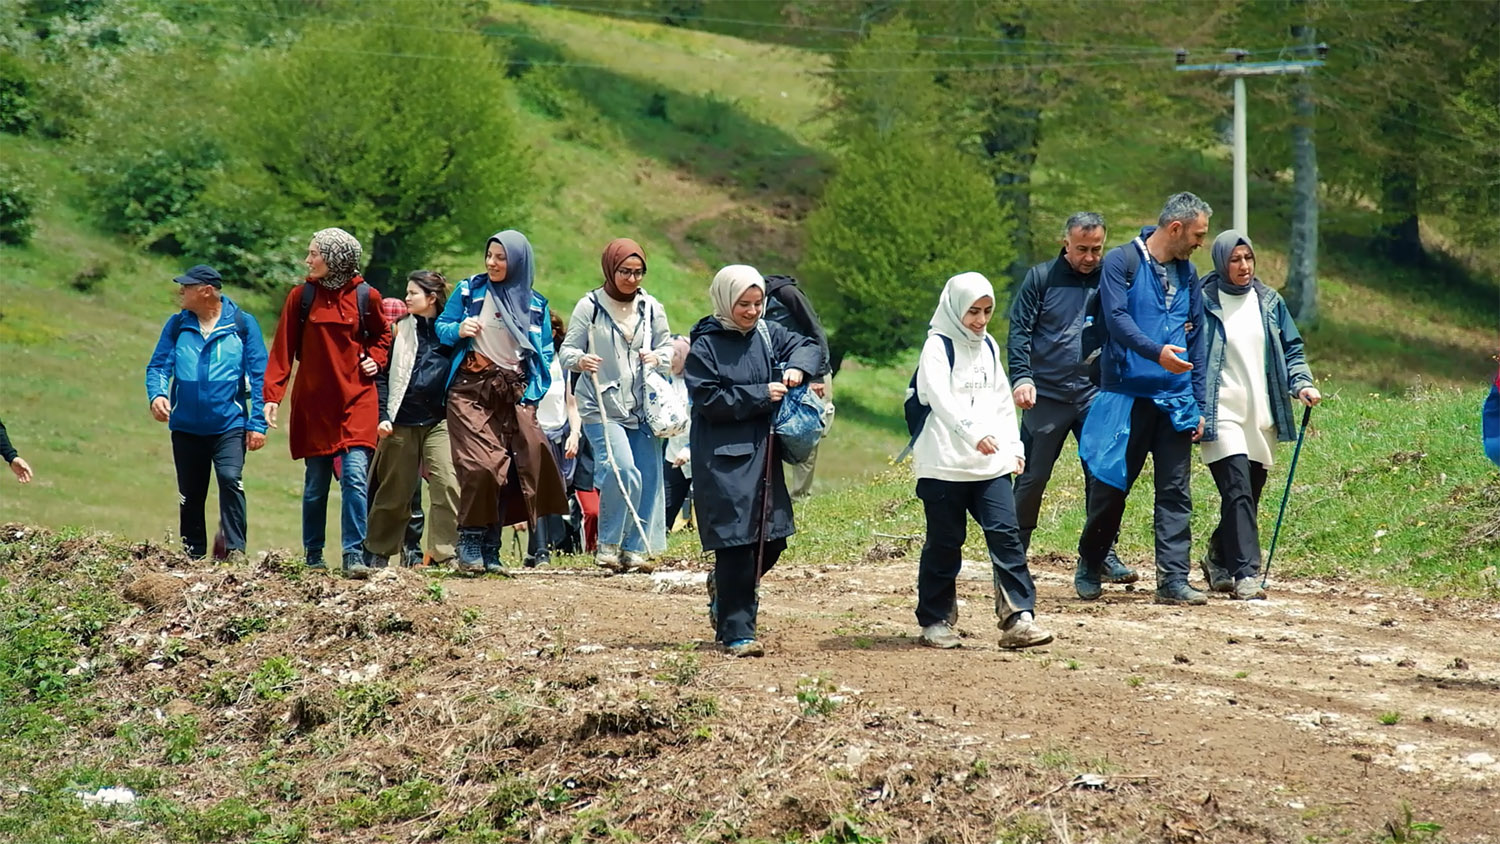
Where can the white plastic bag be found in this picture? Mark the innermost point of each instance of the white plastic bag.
(666, 412)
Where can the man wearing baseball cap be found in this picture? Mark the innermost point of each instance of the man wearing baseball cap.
(204, 380)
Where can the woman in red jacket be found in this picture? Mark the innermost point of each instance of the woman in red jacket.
(332, 325)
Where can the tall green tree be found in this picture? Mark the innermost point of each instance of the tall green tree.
(906, 209)
(395, 121)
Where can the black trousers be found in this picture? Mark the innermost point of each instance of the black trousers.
(736, 580)
(1235, 542)
(948, 505)
(412, 542)
(1151, 432)
(195, 455)
(1044, 429)
(678, 487)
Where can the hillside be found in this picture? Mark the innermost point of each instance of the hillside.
(653, 132)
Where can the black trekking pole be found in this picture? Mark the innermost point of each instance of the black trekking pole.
(765, 503)
(1291, 472)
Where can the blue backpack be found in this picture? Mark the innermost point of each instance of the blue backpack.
(801, 418)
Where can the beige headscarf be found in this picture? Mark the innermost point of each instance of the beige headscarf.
(728, 286)
(342, 254)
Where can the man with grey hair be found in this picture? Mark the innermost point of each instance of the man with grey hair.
(1151, 395)
(1052, 357)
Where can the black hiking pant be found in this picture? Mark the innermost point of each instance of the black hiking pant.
(678, 486)
(1151, 432)
(1044, 429)
(735, 582)
(1235, 543)
(948, 505)
(195, 455)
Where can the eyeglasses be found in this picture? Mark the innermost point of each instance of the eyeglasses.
(635, 275)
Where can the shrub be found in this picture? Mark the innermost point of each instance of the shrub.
(17, 90)
(137, 191)
(17, 203)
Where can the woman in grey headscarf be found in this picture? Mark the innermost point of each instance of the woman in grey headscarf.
(738, 368)
(1255, 368)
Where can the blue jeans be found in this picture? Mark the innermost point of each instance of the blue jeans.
(354, 492)
(1490, 425)
(639, 456)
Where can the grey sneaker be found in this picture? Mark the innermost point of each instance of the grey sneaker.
(1248, 589)
(1022, 631)
(744, 647)
(1180, 594)
(1116, 571)
(608, 558)
(940, 636)
(1215, 575)
(354, 566)
(1086, 583)
(635, 561)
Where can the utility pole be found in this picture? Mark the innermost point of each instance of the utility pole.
(1237, 70)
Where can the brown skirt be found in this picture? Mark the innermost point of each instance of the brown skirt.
(505, 469)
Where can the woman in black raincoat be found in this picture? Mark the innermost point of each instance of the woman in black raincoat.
(738, 368)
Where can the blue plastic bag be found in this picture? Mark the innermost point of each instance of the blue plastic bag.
(801, 421)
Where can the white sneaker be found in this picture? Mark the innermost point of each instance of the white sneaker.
(608, 557)
(635, 561)
(940, 635)
(1023, 632)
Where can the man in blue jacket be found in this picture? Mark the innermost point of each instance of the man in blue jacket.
(204, 380)
(1152, 389)
(1052, 355)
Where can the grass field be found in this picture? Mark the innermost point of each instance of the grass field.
(649, 136)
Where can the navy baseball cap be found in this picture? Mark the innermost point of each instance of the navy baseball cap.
(201, 274)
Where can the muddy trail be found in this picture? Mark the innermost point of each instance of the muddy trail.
(1322, 713)
(561, 705)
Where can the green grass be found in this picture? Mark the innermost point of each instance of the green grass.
(656, 141)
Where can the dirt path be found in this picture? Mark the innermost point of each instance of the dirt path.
(1257, 721)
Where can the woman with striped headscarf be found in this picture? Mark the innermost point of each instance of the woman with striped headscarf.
(332, 326)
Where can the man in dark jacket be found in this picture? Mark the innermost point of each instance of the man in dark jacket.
(789, 307)
(205, 380)
(1052, 357)
(1151, 395)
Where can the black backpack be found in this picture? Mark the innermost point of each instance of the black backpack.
(362, 296)
(915, 411)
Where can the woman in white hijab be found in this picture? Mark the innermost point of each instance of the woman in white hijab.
(964, 458)
(738, 368)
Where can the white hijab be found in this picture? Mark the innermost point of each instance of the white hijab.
(960, 294)
(728, 286)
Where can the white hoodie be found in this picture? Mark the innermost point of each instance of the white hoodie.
(970, 400)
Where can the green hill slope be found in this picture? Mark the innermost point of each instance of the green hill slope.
(662, 135)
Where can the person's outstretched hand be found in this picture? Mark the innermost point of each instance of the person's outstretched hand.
(22, 470)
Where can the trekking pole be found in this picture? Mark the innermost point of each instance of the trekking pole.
(765, 502)
(609, 455)
(1290, 473)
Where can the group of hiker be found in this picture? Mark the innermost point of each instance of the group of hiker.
(484, 392)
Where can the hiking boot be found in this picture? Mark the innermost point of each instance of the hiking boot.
(236, 558)
(1180, 594)
(411, 557)
(489, 555)
(1116, 571)
(376, 561)
(713, 602)
(744, 647)
(315, 559)
(635, 561)
(940, 636)
(1216, 575)
(1022, 631)
(608, 558)
(1087, 583)
(1248, 589)
(354, 566)
(469, 542)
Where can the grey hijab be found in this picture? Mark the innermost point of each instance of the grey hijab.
(1223, 247)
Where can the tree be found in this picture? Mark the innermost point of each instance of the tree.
(906, 209)
(396, 122)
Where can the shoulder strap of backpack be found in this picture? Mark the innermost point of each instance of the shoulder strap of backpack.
(362, 295)
(241, 327)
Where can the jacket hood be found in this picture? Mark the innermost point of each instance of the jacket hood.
(776, 282)
(711, 325)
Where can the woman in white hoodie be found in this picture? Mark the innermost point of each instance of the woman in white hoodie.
(964, 457)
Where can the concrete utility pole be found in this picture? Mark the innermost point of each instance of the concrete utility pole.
(1237, 70)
